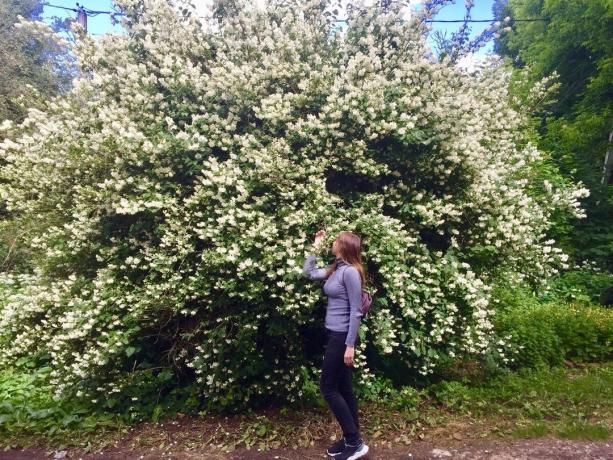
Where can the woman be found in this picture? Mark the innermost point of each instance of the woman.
(343, 286)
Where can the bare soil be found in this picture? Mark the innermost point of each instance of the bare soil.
(525, 449)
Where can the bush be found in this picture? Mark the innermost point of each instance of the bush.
(453, 394)
(170, 196)
(550, 333)
(584, 284)
(406, 398)
(28, 406)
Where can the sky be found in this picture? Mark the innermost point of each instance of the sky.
(101, 24)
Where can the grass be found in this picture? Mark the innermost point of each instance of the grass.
(534, 394)
(535, 430)
(573, 403)
(585, 431)
(575, 430)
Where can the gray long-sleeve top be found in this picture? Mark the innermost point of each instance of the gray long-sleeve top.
(344, 312)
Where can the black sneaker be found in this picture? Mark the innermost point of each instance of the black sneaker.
(352, 452)
(336, 448)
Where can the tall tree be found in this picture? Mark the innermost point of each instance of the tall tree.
(575, 40)
(34, 67)
(28, 65)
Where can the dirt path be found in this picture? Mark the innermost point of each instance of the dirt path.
(525, 449)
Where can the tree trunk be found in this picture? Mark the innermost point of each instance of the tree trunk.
(608, 161)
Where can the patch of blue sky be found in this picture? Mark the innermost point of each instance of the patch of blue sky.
(482, 9)
(101, 24)
(96, 25)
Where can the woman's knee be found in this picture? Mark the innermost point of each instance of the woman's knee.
(327, 387)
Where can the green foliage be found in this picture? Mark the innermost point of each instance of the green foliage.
(533, 430)
(33, 69)
(27, 406)
(379, 387)
(575, 43)
(585, 430)
(406, 398)
(533, 394)
(573, 429)
(585, 284)
(310, 392)
(453, 394)
(509, 297)
(30, 68)
(550, 333)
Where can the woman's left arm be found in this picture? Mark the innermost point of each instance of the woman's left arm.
(353, 283)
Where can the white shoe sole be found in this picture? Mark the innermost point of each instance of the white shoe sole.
(360, 453)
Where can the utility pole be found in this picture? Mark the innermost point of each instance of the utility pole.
(82, 17)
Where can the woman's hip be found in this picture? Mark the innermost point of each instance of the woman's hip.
(330, 332)
(338, 337)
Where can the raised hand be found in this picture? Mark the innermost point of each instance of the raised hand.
(319, 237)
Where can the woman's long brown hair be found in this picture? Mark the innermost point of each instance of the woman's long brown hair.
(349, 246)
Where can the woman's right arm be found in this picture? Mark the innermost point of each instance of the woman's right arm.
(310, 269)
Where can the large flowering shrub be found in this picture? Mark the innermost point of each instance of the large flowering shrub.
(172, 195)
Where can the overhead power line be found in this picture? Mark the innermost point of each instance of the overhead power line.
(484, 20)
(89, 11)
(95, 12)
(475, 20)
(60, 7)
(83, 13)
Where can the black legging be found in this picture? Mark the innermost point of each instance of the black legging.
(336, 385)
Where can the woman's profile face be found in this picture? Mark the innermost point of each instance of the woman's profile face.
(334, 248)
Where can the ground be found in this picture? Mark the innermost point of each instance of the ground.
(525, 449)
